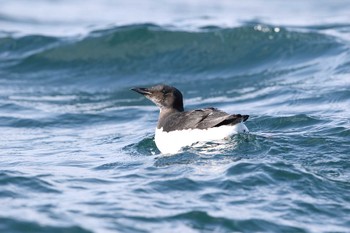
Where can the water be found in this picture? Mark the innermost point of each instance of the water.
(77, 149)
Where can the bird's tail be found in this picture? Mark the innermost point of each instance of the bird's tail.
(245, 117)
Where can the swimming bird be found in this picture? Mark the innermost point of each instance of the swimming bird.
(177, 128)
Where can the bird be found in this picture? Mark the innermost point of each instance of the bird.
(177, 128)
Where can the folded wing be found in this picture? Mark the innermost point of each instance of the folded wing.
(202, 119)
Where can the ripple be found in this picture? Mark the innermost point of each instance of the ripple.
(146, 146)
(181, 184)
(26, 184)
(288, 123)
(19, 226)
(204, 221)
(181, 158)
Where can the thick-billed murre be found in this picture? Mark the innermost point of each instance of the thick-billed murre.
(178, 128)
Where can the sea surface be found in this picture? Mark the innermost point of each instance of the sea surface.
(77, 151)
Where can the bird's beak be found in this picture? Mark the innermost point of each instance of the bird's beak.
(142, 90)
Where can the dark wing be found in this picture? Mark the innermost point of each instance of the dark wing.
(201, 119)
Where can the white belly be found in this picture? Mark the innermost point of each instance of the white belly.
(172, 142)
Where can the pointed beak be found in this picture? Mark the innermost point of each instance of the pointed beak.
(141, 90)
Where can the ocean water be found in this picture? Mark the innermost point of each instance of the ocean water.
(77, 150)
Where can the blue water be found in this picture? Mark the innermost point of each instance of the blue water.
(77, 151)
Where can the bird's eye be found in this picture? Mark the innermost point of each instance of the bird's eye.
(164, 91)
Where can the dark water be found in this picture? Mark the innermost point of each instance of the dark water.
(77, 149)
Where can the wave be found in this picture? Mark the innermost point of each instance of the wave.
(148, 48)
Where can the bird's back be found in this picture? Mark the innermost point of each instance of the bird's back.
(199, 119)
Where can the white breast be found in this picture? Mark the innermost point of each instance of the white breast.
(172, 142)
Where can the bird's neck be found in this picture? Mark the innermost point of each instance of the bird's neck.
(165, 113)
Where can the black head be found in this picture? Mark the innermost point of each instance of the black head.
(165, 97)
